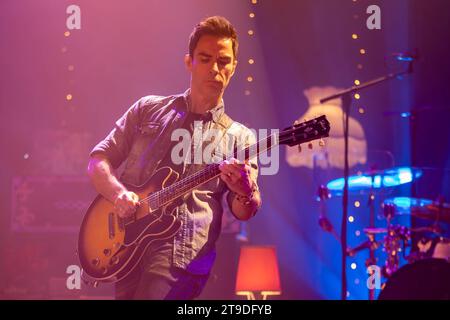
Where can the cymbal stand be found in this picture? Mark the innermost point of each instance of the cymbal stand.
(372, 245)
(371, 260)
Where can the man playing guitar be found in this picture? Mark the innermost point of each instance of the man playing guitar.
(177, 266)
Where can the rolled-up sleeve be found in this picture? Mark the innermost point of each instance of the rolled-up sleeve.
(117, 145)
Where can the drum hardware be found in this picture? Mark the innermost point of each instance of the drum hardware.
(424, 246)
(323, 194)
(431, 249)
(397, 238)
(395, 242)
(442, 249)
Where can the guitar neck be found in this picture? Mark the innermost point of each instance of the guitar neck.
(211, 171)
(294, 135)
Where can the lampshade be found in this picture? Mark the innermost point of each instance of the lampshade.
(330, 155)
(258, 271)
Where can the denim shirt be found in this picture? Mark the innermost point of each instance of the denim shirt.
(141, 138)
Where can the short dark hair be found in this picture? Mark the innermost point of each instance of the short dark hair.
(214, 26)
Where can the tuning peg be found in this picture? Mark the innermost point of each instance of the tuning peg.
(321, 143)
(310, 145)
(305, 120)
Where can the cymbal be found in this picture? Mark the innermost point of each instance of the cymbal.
(421, 208)
(404, 205)
(436, 211)
(375, 230)
(375, 180)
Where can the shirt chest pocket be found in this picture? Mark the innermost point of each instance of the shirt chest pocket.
(149, 128)
(146, 135)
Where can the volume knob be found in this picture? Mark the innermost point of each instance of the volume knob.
(95, 261)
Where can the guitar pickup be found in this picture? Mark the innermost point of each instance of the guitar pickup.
(111, 225)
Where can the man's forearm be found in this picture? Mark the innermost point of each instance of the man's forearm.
(103, 178)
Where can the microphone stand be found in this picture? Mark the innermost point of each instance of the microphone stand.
(346, 96)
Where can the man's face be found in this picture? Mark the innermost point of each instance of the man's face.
(212, 66)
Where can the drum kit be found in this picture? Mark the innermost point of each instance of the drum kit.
(425, 247)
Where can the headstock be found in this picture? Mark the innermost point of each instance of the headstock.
(307, 131)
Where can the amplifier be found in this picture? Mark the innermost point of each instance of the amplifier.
(50, 203)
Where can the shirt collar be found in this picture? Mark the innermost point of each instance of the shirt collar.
(213, 113)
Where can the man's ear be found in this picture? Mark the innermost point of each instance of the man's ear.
(234, 66)
(188, 61)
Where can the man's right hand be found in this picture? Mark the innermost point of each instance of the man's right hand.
(126, 203)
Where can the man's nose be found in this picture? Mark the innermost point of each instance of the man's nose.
(215, 68)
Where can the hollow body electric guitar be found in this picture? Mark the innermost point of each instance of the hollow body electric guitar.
(110, 247)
